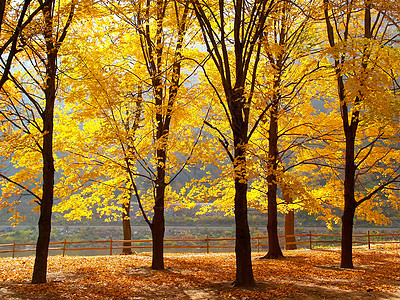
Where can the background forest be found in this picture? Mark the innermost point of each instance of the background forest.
(114, 110)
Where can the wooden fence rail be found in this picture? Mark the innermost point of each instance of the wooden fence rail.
(205, 243)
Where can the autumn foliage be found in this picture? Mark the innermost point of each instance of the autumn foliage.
(283, 105)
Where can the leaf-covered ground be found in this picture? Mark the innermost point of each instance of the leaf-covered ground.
(302, 274)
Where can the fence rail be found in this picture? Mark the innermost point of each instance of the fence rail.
(205, 243)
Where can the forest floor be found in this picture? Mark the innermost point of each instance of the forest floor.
(302, 274)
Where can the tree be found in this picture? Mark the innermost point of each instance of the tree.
(361, 43)
(290, 66)
(139, 156)
(95, 178)
(31, 116)
(231, 33)
(100, 117)
(152, 47)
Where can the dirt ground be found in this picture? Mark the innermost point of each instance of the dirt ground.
(302, 274)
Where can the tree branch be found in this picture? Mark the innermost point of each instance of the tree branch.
(22, 187)
(223, 141)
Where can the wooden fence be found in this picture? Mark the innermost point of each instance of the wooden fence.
(207, 243)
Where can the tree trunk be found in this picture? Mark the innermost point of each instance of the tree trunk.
(245, 36)
(350, 114)
(42, 245)
(157, 232)
(50, 87)
(349, 199)
(158, 225)
(274, 250)
(289, 222)
(244, 269)
(46, 204)
(126, 228)
(289, 231)
(347, 238)
(350, 131)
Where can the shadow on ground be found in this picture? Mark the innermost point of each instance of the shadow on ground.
(301, 275)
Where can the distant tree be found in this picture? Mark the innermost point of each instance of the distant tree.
(290, 68)
(287, 41)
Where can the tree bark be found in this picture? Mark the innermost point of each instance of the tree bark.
(126, 228)
(289, 231)
(157, 232)
(350, 203)
(347, 238)
(158, 224)
(274, 250)
(244, 269)
(46, 205)
(289, 222)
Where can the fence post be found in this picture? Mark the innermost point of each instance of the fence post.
(111, 244)
(13, 255)
(65, 245)
(208, 244)
(369, 241)
(258, 242)
(310, 240)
